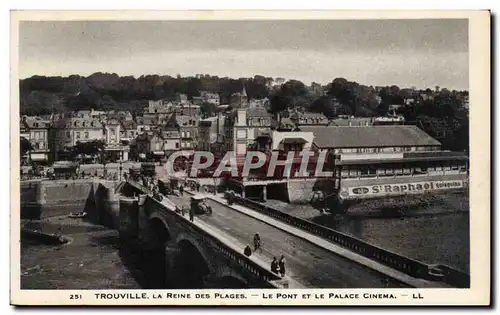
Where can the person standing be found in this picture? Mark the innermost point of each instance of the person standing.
(281, 265)
(274, 265)
(247, 251)
(191, 215)
(256, 242)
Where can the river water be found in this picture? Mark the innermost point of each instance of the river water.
(434, 230)
(91, 260)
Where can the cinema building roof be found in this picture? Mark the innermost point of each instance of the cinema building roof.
(332, 137)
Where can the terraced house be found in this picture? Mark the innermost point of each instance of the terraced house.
(36, 131)
(67, 131)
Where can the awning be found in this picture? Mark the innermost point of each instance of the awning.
(38, 157)
(293, 141)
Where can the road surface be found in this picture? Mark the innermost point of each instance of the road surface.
(307, 263)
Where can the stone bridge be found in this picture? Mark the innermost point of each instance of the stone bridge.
(184, 254)
(208, 252)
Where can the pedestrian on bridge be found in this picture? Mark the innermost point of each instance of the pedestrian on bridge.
(274, 265)
(191, 215)
(247, 251)
(281, 265)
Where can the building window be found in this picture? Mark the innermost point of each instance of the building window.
(188, 134)
(113, 132)
(86, 134)
(68, 134)
(78, 135)
(177, 145)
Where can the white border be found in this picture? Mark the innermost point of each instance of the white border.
(480, 124)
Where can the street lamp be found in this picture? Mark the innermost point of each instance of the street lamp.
(121, 168)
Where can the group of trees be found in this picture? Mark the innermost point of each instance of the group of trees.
(104, 91)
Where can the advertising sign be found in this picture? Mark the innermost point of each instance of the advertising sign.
(399, 188)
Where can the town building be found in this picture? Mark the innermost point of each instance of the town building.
(187, 126)
(239, 99)
(155, 145)
(148, 146)
(181, 98)
(67, 131)
(90, 114)
(36, 131)
(197, 100)
(186, 109)
(172, 141)
(381, 161)
(128, 130)
(210, 98)
(147, 123)
(243, 126)
(255, 103)
(308, 119)
(351, 121)
(157, 107)
(114, 149)
(207, 133)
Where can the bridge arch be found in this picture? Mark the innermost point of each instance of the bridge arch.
(155, 254)
(191, 267)
(159, 228)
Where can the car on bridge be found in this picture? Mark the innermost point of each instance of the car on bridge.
(199, 205)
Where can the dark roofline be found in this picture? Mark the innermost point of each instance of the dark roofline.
(402, 160)
(379, 146)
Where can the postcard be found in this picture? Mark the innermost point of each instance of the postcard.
(322, 158)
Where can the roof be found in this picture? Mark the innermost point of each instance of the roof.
(258, 112)
(143, 137)
(129, 124)
(79, 122)
(184, 119)
(371, 136)
(310, 115)
(353, 121)
(287, 123)
(36, 122)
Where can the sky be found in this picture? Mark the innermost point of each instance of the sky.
(419, 53)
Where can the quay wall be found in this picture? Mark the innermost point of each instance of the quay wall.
(49, 198)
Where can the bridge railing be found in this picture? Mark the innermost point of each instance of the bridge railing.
(407, 265)
(266, 276)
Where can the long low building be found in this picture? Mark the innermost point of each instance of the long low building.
(381, 161)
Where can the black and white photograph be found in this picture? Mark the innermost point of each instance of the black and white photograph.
(178, 158)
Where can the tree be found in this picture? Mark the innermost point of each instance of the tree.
(345, 92)
(93, 147)
(291, 94)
